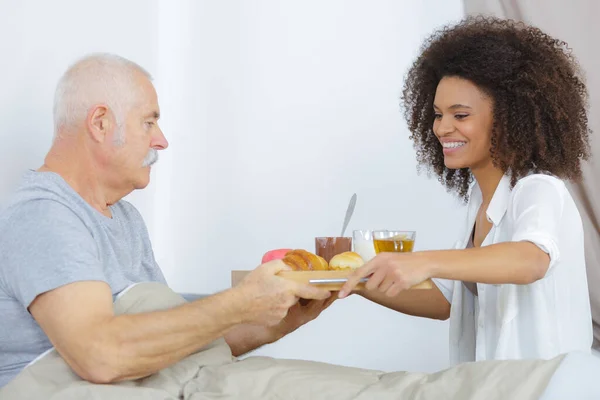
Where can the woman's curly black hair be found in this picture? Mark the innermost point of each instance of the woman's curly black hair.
(539, 99)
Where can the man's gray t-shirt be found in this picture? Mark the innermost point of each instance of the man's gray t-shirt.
(50, 237)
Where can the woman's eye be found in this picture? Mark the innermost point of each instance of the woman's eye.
(437, 116)
(461, 116)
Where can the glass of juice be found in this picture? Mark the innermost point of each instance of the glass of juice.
(386, 241)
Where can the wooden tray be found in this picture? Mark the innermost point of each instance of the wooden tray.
(334, 279)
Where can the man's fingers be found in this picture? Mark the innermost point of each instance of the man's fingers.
(306, 302)
(320, 305)
(274, 267)
(307, 291)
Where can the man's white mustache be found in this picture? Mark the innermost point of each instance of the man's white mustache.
(150, 158)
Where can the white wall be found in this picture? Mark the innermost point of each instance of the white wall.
(276, 113)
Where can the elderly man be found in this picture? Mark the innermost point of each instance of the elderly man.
(69, 244)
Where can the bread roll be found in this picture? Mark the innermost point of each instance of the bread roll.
(323, 265)
(347, 260)
(302, 260)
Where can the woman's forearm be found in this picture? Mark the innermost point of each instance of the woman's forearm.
(509, 262)
(419, 303)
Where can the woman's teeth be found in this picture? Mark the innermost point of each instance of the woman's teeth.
(452, 145)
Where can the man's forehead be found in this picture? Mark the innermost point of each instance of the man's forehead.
(147, 97)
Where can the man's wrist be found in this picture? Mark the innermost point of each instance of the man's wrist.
(259, 335)
(271, 335)
(235, 300)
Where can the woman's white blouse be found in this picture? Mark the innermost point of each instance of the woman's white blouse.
(541, 320)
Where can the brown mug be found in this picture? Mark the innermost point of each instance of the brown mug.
(329, 246)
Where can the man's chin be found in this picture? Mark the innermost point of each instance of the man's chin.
(143, 180)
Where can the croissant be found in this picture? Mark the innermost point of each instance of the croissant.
(302, 260)
(347, 260)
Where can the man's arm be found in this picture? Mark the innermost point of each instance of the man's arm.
(101, 347)
(244, 338)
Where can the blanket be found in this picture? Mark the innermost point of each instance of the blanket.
(213, 373)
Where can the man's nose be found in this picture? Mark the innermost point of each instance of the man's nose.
(160, 141)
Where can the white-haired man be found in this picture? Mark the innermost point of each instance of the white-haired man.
(69, 244)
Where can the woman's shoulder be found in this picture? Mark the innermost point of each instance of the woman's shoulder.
(540, 180)
(541, 188)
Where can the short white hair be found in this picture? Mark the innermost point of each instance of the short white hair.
(99, 78)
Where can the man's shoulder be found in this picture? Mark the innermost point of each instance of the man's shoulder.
(39, 212)
(40, 223)
(27, 209)
(45, 197)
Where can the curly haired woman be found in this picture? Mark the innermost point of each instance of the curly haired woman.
(497, 111)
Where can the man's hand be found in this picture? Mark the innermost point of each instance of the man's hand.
(273, 309)
(300, 314)
(268, 297)
(247, 337)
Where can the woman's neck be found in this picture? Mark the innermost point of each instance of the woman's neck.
(487, 178)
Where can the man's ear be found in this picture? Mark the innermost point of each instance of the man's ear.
(100, 122)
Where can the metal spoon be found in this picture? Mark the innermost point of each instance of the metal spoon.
(349, 212)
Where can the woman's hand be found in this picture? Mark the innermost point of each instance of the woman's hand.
(519, 263)
(390, 273)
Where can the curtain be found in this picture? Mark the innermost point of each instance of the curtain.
(575, 23)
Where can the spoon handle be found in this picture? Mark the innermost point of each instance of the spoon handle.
(349, 213)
